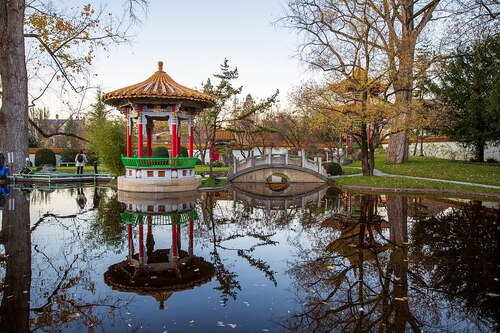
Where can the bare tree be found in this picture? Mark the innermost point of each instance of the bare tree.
(336, 33)
(63, 42)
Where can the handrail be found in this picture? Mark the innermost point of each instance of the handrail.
(159, 162)
(176, 218)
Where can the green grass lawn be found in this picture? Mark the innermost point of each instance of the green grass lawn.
(88, 168)
(394, 182)
(206, 168)
(346, 170)
(213, 182)
(431, 167)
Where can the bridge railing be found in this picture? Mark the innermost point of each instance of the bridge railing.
(278, 159)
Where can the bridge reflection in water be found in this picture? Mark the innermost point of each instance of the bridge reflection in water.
(294, 195)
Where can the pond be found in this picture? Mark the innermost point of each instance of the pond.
(249, 259)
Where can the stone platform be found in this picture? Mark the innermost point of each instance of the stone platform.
(157, 185)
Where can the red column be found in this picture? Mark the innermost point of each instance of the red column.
(129, 134)
(174, 239)
(141, 243)
(179, 139)
(139, 133)
(191, 133)
(191, 238)
(174, 133)
(369, 132)
(130, 244)
(148, 140)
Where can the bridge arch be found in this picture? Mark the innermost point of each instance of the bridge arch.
(257, 169)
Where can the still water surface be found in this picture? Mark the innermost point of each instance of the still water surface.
(89, 259)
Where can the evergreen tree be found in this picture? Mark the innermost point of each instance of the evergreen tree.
(470, 85)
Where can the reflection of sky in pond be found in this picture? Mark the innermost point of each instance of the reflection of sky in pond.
(263, 258)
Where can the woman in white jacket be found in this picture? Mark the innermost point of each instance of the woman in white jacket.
(80, 161)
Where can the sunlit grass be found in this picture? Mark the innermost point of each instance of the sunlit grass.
(214, 182)
(431, 167)
(395, 182)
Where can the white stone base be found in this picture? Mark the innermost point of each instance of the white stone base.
(158, 186)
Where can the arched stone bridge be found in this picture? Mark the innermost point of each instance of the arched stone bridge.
(257, 169)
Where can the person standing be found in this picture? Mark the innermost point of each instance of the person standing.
(80, 161)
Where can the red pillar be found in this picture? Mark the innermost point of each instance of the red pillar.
(174, 133)
(129, 134)
(191, 134)
(174, 239)
(148, 140)
(141, 243)
(139, 133)
(179, 139)
(191, 238)
(129, 238)
(369, 132)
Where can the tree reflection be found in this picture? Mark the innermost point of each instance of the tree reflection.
(16, 238)
(63, 293)
(229, 284)
(460, 251)
(106, 227)
(356, 281)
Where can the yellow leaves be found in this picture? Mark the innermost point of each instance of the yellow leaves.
(87, 11)
(71, 39)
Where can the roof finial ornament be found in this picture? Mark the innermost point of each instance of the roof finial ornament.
(160, 65)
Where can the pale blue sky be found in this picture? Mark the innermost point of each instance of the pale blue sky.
(193, 37)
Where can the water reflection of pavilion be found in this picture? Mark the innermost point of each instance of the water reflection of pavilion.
(159, 272)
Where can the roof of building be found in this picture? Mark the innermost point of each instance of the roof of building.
(357, 82)
(159, 88)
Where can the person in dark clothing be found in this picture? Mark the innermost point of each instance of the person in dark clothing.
(80, 161)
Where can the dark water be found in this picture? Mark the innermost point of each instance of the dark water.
(92, 260)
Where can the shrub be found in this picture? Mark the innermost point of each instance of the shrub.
(92, 157)
(184, 152)
(45, 156)
(68, 154)
(217, 164)
(333, 169)
(159, 152)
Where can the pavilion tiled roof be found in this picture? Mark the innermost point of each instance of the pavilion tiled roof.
(160, 88)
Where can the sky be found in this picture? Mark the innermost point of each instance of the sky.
(193, 37)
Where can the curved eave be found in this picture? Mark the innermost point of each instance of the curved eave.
(159, 89)
(127, 100)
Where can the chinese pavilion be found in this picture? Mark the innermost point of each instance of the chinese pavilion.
(159, 98)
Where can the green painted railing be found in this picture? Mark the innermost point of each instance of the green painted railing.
(159, 162)
(159, 219)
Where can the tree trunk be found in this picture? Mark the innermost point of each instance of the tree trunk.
(366, 161)
(398, 149)
(397, 152)
(13, 74)
(16, 238)
(397, 214)
(479, 151)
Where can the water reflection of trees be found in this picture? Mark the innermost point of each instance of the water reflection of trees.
(225, 221)
(460, 252)
(16, 239)
(354, 278)
(63, 290)
(357, 277)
